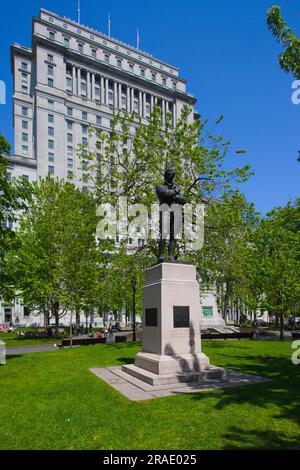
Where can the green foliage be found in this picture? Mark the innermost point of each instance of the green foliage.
(13, 198)
(277, 243)
(289, 59)
(222, 262)
(130, 160)
(53, 260)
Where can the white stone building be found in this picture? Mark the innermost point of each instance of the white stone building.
(72, 77)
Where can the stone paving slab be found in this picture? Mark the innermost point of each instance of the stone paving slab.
(137, 390)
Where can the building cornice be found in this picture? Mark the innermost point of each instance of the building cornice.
(112, 50)
(104, 36)
(111, 71)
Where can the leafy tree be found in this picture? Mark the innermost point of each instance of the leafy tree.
(53, 260)
(13, 198)
(277, 241)
(131, 159)
(222, 262)
(289, 59)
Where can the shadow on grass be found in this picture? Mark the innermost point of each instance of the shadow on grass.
(282, 393)
(249, 440)
(13, 356)
(125, 360)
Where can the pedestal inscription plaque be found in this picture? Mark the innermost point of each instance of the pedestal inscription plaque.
(181, 317)
(151, 316)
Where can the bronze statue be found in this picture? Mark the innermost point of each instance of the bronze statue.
(168, 193)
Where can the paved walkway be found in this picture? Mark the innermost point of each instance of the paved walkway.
(137, 390)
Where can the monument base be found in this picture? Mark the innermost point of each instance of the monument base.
(171, 365)
(171, 350)
(211, 374)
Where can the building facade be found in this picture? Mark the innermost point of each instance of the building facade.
(73, 77)
(70, 78)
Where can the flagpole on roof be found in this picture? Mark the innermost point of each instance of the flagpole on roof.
(78, 11)
(137, 38)
(109, 25)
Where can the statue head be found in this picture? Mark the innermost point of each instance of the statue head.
(169, 175)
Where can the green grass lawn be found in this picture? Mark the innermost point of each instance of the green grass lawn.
(52, 401)
(15, 342)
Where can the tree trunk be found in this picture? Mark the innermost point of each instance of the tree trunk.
(281, 327)
(56, 315)
(71, 331)
(77, 321)
(46, 319)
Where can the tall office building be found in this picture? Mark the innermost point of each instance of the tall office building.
(72, 77)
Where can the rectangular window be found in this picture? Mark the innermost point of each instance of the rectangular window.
(84, 116)
(70, 112)
(94, 53)
(51, 35)
(84, 129)
(98, 120)
(130, 68)
(50, 104)
(50, 118)
(24, 125)
(51, 169)
(24, 77)
(66, 42)
(50, 144)
(24, 89)
(70, 174)
(106, 58)
(174, 86)
(50, 70)
(69, 83)
(207, 311)
(50, 82)
(97, 92)
(119, 63)
(142, 72)
(153, 77)
(164, 81)
(50, 58)
(70, 162)
(69, 125)
(83, 87)
(25, 149)
(51, 131)
(70, 151)
(50, 157)
(84, 141)
(110, 96)
(80, 48)
(24, 66)
(24, 137)
(24, 111)
(70, 138)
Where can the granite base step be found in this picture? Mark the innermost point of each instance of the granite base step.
(210, 374)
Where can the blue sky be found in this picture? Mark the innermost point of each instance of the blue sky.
(227, 56)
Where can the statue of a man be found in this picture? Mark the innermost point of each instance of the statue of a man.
(168, 193)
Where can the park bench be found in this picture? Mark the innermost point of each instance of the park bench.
(88, 341)
(296, 334)
(236, 335)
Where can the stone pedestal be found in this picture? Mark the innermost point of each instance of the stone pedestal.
(171, 329)
(2, 353)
